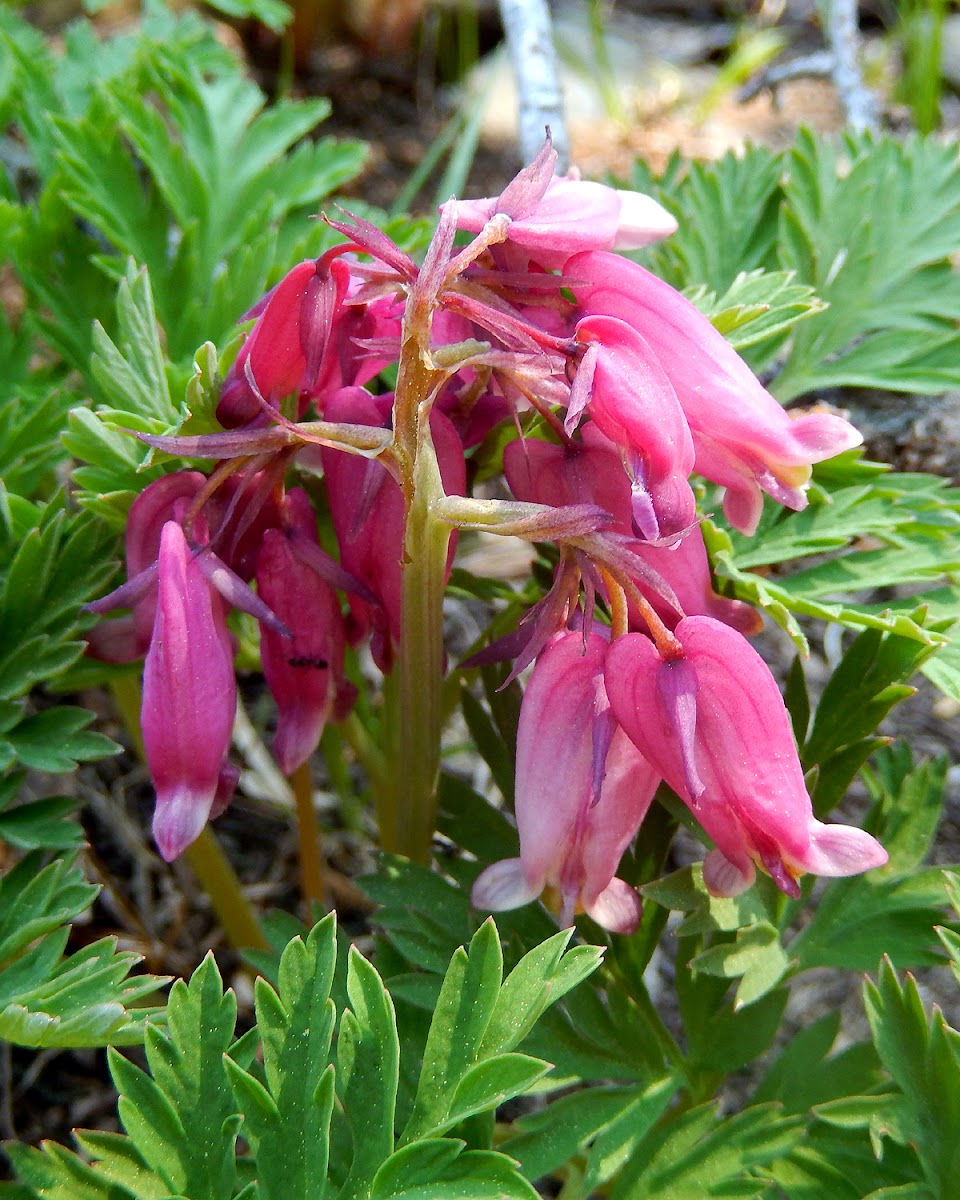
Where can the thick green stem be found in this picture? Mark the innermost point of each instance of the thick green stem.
(407, 808)
(416, 709)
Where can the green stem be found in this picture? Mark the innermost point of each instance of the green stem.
(369, 755)
(213, 869)
(407, 806)
(308, 838)
(417, 703)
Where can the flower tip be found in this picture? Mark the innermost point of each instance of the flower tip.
(502, 886)
(839, 850)
(299, 729)
(642, 221)
(179, 819)
(725, 879)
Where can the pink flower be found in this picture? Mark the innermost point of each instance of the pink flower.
(712, 722)
(126, 639)
(189, 698)
(574, 215)
(304, 671)
(744, 439)
(591, 472)
(631, 400)
(582, 791)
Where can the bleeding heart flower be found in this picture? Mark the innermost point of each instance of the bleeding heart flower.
(189, 698)
(712, 722)
(582, 790)
(744, 439)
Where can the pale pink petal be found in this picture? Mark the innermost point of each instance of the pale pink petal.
(503, 886)
(617, 908)
(725, 878)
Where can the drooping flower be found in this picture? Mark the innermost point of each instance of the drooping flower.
(189, 698)
(284, 351)
(304, 671)
(632, 401)
(712, 722)
(744, 440)
(582, 789)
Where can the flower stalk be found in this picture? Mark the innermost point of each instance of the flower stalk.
(407, 806)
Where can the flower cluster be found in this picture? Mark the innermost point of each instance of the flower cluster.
(613, 390)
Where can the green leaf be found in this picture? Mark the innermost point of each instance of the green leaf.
(131, 372)
(727, 211)
(57, 739)
(606, 1117)
(288, 1119)
(758, 306)
(38, 824)
(908, 802)
(806, 1074)
(923, 1057)
(273, 13)
(35, 901)
(756, 957)
(862, 689)
(439, 1169)
(721, 1034)
(883, 269)
(466, 1004)
(540, 979)
(368, 1060)
(696, 1155)
(85, 999)
(784, 598)
(184, 1120)
(488, 1084)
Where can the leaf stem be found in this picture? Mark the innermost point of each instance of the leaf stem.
(308, 839)
(234, 912)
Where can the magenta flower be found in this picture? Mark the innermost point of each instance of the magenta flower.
(712, 722)
(284, 351)
(189, 698)
(304, 671)
(366, 507)
(744, 439)
(582, 790)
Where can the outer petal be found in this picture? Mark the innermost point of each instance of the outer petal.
(151, 510)
(579, 799)
(555, 753)
(189, 696)
(285, 349)
(724, 403)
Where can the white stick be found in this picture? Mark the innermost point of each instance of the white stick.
(529, 34)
